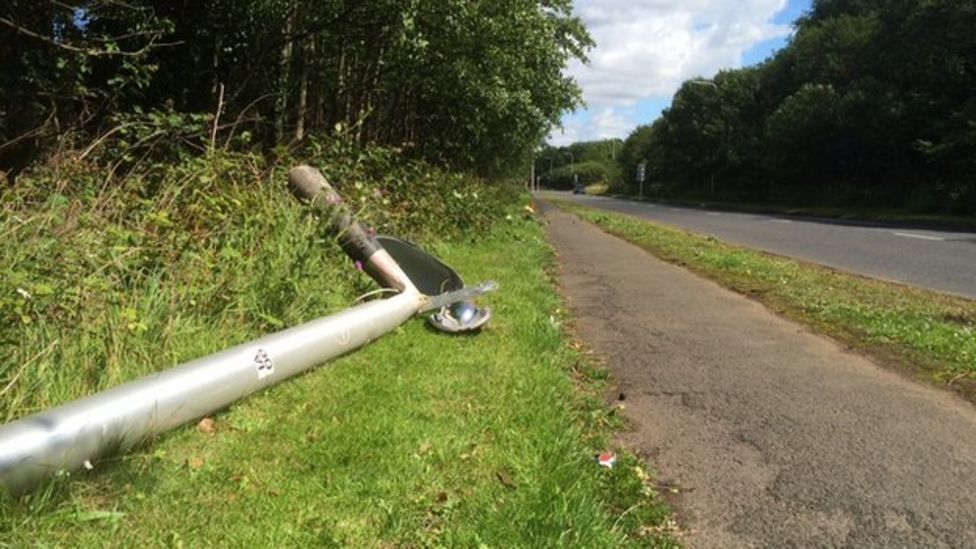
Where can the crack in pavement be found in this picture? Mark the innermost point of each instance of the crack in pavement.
(775, 437)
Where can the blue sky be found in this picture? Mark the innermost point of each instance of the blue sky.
(646, 48)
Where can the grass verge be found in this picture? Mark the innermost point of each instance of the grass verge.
(852, 214)
(417, 440)
(929, 334)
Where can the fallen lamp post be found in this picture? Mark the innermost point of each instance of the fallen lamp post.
(76, 434)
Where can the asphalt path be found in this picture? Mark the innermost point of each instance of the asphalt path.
(944, 261)
(770, 436)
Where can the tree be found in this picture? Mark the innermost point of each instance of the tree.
(870, 102)
(804, 138)
(557, 165)
(471, 85)
(634, 151)
(64, 67)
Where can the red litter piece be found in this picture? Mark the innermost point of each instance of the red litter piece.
(606, 459)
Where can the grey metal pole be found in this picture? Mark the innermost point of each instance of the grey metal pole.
(78, 433)
(532, 178)
(641, 173)
(308, 185)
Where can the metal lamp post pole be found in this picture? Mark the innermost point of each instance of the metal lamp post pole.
(641, 173)
(572, 161)
(714, 86)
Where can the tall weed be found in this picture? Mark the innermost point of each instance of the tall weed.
(107, 277)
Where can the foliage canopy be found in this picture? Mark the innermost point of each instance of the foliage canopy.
(469, 85)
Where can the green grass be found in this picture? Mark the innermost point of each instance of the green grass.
(930, 334)
(417, 440)
(851, 213)
(118, 277)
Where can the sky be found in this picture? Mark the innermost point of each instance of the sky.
(647, 48)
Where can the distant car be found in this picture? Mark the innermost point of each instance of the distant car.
(579, 189)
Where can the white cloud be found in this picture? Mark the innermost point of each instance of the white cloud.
(646, 48)
(603, 124)
(570, 132)
(609, 123)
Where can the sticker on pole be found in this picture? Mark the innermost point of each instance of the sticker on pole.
(263, 363)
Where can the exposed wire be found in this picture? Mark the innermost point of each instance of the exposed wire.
(367, 295)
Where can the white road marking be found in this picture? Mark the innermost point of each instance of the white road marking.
(715, 214)
(920, 236)
(676, 210)
(780, 221)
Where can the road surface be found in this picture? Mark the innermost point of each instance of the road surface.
(773, 436)
(944, 261)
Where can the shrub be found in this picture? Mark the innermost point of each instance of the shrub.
(589, 173)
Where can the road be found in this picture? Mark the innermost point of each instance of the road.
(771, 435)
(944, 261)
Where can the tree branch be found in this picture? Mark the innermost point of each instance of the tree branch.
(93, 52)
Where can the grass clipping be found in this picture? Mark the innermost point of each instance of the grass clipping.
(926, 333)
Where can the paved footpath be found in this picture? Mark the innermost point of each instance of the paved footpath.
(775, 437)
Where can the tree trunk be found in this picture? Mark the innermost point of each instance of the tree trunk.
(284, 76)
(339, 101)
(308, 51)
(366, 114)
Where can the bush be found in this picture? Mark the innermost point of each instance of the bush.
(589, 173)
(406, 197)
